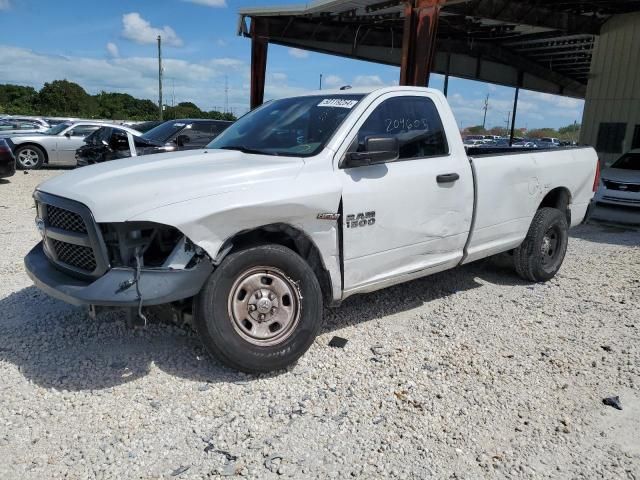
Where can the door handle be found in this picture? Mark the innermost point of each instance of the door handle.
(448, 178)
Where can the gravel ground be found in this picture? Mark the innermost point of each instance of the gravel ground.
(467, 374)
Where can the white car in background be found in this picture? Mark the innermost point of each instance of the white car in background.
(620, 183)
(55, 146)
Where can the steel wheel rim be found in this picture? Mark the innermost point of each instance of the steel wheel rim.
(550, 247)
(28, 157)
(264, 306)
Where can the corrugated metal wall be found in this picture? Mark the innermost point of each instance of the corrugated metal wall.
(613, 94)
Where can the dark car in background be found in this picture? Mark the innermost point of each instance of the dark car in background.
(144, 127)
(119, 141)
(7, 160)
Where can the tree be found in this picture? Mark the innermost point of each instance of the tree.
(64, 98)
(476, 130)
(16, 99)
(68, 99)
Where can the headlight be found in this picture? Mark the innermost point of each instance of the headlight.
(154, 242)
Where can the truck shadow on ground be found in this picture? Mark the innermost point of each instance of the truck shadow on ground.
(608, 233)
(55, 345)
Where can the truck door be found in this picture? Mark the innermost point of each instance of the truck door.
(409, 217)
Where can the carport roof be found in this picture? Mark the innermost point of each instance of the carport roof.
(543, 45)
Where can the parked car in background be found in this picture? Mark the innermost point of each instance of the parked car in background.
(55, 146)
(473, 143)
(21, 118)
(620, 183)
(144, 127)
(109, 142)
(524, 144)
(7, 160)
(549, 142)
(10, 126)
(121, 142)
(184, 134)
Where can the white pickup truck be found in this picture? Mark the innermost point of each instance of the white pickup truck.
(302, 203)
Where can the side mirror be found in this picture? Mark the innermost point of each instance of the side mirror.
(377, 150)
(67, 134)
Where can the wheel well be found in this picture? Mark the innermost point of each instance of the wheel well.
(41, 148)
(287, 236)
(559, 198)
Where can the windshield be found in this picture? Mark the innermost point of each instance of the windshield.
(57, 129)
(299, 126)
(163, 133)
(629, 161)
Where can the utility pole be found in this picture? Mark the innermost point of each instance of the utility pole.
(160, 74)
(508, 120)
(320, 81)
(485, 108)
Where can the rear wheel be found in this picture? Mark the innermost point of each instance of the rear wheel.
(29, 157)
(542, 252)
(260, 310)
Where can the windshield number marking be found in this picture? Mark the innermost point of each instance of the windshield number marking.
(338, 103)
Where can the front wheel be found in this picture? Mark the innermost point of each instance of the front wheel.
(260, 310)
(542, 252)
(29, 157)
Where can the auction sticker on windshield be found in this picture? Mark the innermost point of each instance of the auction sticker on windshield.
(338, 103)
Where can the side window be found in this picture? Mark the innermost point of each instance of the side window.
(199, 135)
(82, 130)
(414, 121)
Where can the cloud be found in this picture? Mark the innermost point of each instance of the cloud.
(333, 81)
(199, 82)
(279, 77)
(112, 48)
(297, 53)
(209, 3)
(5, 4)
(368, 81)
(139, 30)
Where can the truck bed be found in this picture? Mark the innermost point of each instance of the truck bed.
(528, 176)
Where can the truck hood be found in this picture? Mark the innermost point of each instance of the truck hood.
(119, 190)
(621, 175)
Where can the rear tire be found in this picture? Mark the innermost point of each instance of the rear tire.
(29, 157)
(260, 310)
(542, 252)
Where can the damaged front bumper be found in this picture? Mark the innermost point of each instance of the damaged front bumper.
(116, 288)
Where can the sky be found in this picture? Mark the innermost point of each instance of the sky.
(111, 46)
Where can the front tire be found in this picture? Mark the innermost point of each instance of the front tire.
(542, 252)
(260, 310)
(29, 157)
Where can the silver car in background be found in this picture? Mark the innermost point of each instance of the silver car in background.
(9, 126)
(620, 184)
(55, 146)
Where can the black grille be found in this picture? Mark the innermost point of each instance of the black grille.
(75, 255)
(623, 187)
(65, 220)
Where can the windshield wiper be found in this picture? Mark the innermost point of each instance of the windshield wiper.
(243, 149)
